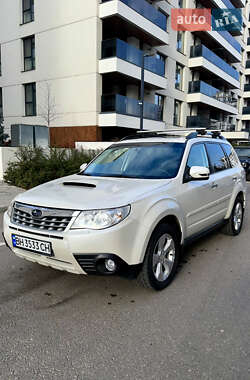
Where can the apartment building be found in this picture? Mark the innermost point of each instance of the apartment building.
(246, 77)
(76, 67)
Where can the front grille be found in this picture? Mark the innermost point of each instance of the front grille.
(40, 218)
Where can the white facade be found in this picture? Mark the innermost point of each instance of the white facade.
(70, 61)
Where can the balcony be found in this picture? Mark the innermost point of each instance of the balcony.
(204, 122)
(248, 41)
(223, 70)
(120, 57)
(129, 106)
(248, 64)
(201, 92)
(247, 87)
(118, 110)
(228, 4)
(239, 3)
(120, 49)
(139, 13)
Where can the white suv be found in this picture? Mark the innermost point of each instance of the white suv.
(133, 207)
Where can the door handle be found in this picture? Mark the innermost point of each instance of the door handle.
(214, 185)
(234, 179)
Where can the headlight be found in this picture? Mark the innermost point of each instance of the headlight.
(9, 209)
(100, 219)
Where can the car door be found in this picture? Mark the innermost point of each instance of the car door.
(222, 181)
(196, 196)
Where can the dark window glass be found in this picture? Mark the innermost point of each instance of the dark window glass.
(28, 11)
(197, 156)
(1, 103)
(29, 53)
(149, 161)
(217, 157)
(30, 99)
(232, 156)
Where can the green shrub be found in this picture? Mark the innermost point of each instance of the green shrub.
(34, 166)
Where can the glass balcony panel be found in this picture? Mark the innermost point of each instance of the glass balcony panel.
(129, 106)
(247, 87)
(203, 51)
(206, 89)
(228, 4)
(148, 11)
(120, 49)
(229, 38)
(248, 64)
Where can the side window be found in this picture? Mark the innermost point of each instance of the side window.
(232, 156)
(217, 157)
(197, 156)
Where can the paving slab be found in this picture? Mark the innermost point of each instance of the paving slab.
(7, 193)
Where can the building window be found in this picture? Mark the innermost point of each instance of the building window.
(30, 99)
(28, 11)
(29, 53)
(177, 112)
(1, 103)
(178, 76)
(180, 41)
(159, 101)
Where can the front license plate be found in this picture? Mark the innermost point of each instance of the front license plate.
(33, 245)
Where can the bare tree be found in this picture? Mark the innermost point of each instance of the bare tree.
(47, 109)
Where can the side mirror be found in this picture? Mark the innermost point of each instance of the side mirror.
(199, 173)
(83, 166)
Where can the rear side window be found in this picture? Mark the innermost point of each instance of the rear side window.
(232, 156)
(217, 158)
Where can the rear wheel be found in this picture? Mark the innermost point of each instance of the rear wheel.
(234, 223)
(161, 259)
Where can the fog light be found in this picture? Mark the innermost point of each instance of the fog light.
(110, 265)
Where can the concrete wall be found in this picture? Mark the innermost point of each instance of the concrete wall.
(67, 44)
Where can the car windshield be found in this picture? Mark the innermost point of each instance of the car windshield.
(243, 152)
(144, 160)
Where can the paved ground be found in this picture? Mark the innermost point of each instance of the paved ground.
(60, 326)
(7, 193)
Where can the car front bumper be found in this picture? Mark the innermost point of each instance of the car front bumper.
(79, 251)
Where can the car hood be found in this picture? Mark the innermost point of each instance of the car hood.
(78, 192)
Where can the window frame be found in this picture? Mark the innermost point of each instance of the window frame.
(33, 102)
(29, 10)
(31, 57)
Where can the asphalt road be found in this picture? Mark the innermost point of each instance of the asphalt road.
(55, 325)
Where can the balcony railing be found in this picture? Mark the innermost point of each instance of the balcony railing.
(228, 4)
(204, 122)
(246, 110)
(206, 89)
(148, 11)
(120, 49)
(247, 87)
(248, 64)
(203, 51)
(229, 38)
(131, 107)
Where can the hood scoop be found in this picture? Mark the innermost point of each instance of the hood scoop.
(81, 184)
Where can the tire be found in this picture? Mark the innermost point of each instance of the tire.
(234, 223)
(158, 270)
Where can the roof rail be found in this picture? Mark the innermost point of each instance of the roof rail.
(190, 133)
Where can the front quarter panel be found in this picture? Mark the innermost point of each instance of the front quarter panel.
(155, 211)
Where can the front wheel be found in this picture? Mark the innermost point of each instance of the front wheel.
(234, 223)
(161, 259)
